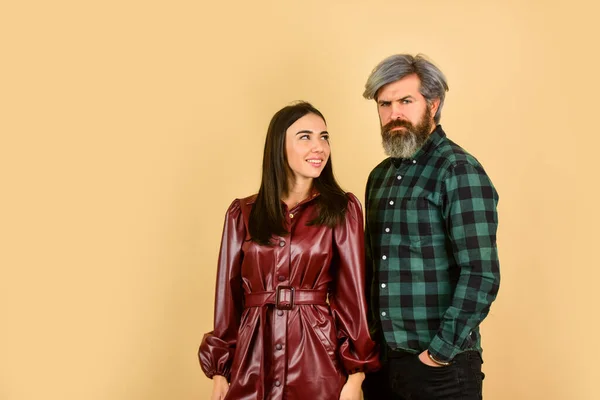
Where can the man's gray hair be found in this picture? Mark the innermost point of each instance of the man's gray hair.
(396, 67)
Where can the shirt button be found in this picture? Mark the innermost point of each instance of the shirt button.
(280, 312)
(277, 383)
(279, 346)
(387, 229)
(391, 202)
(384, 258)
(383, 285)
(399, 177)
(281, 278)
(282, 243)
(383, 314)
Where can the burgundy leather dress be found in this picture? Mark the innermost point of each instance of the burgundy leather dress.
(290, 319)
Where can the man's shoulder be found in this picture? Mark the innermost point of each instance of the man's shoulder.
(382, 166)
(449, 154)
(379, 170)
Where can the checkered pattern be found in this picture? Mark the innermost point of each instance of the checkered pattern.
(431, 249)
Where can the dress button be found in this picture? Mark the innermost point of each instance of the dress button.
(383, 285)
(414, 161)
(383, 313)
(384, 257)
(279, 346)
(391, 202)
(387, 229)
(291, 215)
(281, 278)
(399, 177)
(277, 383)
(282, 243)
(280, 312)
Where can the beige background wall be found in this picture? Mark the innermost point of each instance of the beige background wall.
(127, 127)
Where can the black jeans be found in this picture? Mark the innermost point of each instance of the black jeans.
(404, 377)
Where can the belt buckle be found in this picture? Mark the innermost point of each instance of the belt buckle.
(284, 306)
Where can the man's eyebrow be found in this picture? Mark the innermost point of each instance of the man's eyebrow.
(409, 96)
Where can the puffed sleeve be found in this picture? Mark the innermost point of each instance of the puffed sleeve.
(218, 347)
(357, 351)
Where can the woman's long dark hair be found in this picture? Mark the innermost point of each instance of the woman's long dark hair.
(266, 217)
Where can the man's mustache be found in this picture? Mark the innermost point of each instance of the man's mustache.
(397, 123)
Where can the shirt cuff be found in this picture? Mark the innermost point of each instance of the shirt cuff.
(442, 350)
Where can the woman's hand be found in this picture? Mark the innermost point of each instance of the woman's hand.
(220, 387)
(352, 387)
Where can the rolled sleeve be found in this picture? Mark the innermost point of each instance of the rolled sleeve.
(469, 211)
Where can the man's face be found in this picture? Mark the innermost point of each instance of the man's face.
(406, 117)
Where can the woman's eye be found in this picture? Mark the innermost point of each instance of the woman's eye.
(325, 137)
(304, 137)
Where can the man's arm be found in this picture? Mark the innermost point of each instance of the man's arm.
(469, 211)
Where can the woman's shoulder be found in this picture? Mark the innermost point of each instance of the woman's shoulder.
(243, 201)
(249, 200)
(241, 206)
(353, 200)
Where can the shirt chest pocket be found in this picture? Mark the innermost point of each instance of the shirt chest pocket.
(416, 218)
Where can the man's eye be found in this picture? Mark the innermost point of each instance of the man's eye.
(406, 101)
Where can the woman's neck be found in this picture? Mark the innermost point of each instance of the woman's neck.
(299, 190)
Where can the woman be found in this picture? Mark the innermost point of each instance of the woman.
(289, 307)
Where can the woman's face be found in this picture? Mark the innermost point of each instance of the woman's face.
(307, 147)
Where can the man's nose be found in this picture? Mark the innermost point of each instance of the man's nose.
(396, 110)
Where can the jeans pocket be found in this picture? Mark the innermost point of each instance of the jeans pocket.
(431, 369)
(434, 382)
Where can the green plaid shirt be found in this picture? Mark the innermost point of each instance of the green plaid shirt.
(432, 262)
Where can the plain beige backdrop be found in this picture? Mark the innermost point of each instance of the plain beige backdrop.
(128, 127)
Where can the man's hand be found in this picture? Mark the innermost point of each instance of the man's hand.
(424, 357)
(220, 387)
(351, 390)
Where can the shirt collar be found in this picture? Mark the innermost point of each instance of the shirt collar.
(433, 141)
(314, 193)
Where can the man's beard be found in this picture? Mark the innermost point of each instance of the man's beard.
(405, 143)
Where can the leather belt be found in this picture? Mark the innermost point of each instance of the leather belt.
(286, 297)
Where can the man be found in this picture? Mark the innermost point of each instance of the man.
(430, 241)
